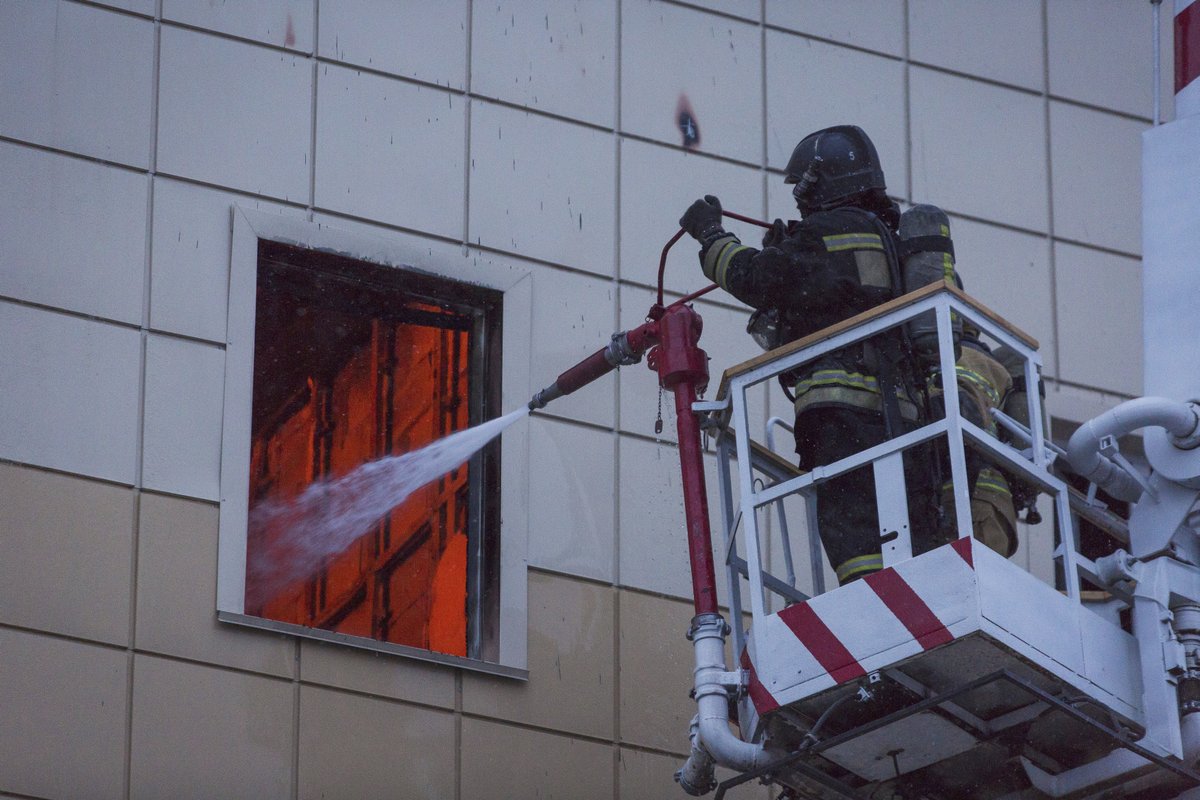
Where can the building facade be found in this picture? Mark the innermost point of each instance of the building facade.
(545, 149)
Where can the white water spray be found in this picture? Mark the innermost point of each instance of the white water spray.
(329, 516)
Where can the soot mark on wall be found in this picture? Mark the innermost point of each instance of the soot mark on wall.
(685, 119)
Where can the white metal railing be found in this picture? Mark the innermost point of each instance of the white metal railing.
(765, 480)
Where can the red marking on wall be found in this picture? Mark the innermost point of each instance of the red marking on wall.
(826, 648)
(289, 38)
(909, 608)
(963, 548)
(762, 699)
(1187, 46)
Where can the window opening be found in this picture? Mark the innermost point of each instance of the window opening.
(353, 362)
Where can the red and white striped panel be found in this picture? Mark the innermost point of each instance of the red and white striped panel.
(870, 624)
(1187, 57)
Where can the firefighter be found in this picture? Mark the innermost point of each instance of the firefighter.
(983, 385)
(838, 260)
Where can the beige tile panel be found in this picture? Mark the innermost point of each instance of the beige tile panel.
(978, 149)
(747, 9)
(658, 183)
(200, 732)
(70, 396)
(1078, 404)
(871, 24)
(283, 23)
(993, 262)
(1102, 52)
(571, 524)
(144, 7)
(813, 85)
(74, 235)
(656, 672)
(211, 125)
(427, 41)
(572, 318)
(67, 559)
(542, 187)
(376, 673)
(1099, 318)
(547, 55)
(63, 733)
(502, 761)
(651, 776)
(571, 676)
(1097, 169)
(653, 534)
(181, 423)
(189, 271)
(671, 55)
(177, 594)
(79, 78)
(357, 747)
(380, 139)
(1001, 41)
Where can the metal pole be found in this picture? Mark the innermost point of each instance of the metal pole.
(1157, 60)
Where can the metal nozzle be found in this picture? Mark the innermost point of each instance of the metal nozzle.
(541, 398)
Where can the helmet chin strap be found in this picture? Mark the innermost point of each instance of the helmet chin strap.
(807, 181)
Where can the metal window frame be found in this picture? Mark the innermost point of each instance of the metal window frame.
(503, 649)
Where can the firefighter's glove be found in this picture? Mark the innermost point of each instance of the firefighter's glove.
(703, 219)
(779, 231)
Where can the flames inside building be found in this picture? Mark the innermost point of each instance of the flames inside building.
(352, 363)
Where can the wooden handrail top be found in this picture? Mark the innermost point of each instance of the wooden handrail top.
(878, 311)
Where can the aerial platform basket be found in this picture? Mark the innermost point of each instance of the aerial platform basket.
(954, 670)
(962, 648)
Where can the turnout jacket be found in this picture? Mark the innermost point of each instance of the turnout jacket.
(817, 272)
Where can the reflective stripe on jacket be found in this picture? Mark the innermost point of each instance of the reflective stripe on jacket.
(859, 566)
(846, 388)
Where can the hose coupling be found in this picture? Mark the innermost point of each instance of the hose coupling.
(1191, 440)
(619, 353)
(708, 626)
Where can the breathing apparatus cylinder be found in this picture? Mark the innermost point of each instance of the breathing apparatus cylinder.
(1016, 402)
(927, 256)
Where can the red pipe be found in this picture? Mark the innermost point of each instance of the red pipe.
(695, 502)
(751, 220)
(672, 337)
(687, 298)
(662, 262)
(683, 369)
(625, 348)
(594, 366)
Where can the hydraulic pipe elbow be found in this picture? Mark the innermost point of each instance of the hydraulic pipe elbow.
(697, 776)
(713, 742)
(1083, 449)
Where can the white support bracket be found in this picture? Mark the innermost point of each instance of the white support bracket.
(1112, 450)
(892, 504)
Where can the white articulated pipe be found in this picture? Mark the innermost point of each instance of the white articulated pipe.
(712, 740)
(1083, 450)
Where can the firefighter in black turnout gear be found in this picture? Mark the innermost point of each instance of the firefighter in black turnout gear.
(839, 260)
